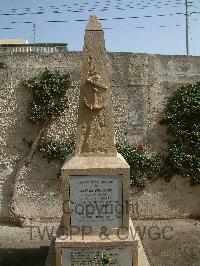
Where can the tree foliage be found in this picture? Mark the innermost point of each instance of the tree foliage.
(49, 98)
(142, 167)
(182, 117)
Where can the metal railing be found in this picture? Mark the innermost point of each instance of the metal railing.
(42, 48)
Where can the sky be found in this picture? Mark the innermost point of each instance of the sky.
(142, 26)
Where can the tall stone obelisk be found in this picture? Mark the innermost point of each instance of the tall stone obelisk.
(96, 179)
(95, 128)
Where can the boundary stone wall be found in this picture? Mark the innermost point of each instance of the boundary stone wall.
(141, 86)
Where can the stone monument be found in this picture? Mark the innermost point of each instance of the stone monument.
(95, 179)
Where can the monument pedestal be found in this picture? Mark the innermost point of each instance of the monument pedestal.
(95, 192)
(121, 249)
(96, 214)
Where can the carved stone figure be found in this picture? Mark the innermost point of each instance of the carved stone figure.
(94, 80)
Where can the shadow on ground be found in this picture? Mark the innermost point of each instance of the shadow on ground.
(23, 257)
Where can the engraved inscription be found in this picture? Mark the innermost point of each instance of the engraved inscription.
(96, 201)
(118, 256)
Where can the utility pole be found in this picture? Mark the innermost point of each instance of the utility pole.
(34, 33)
(186, 26)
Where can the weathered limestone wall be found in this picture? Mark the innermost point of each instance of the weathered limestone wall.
(141, 86)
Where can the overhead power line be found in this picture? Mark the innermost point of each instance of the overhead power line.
(136, 27)
(85, 8)
(101, 19)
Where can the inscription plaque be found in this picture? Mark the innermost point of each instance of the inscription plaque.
(96, 201)
(118, 256)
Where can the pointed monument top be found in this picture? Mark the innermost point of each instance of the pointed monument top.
(94, 24)
(95, 127)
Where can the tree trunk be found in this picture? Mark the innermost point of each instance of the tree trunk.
(20, 218)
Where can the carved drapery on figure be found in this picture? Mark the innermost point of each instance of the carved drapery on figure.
(94, 80)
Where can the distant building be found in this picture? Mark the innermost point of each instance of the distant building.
(22, 46)
(13, 41)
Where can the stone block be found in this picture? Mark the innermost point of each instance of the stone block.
(79, 176)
